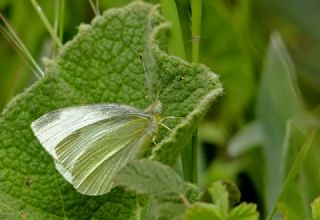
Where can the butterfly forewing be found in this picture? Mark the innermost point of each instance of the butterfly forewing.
(55, 126)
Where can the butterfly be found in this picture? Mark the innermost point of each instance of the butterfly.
(91, 143)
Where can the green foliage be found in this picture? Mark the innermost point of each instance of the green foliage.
(101, 64)
(219, 195)
(233, 42)
(244, 212)
(279, 72)
(170, 196)
(220, 209)
(158, 181)
(296, 167)
(227, 37)
(203, 211)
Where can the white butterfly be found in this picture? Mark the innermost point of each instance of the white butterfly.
(91, 143)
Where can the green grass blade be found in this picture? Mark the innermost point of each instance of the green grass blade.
(175, 41)
(296, 166)
(22, 50)
(95, 7)
(59, 17)
(46, 23)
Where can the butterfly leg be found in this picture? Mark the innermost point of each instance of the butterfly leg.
(165, 126)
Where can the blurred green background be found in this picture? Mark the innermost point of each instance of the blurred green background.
(267, 53)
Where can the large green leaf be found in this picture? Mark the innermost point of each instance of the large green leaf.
(101, 64)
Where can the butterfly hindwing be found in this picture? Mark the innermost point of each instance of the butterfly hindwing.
(95, 168)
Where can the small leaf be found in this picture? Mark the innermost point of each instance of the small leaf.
(150, 177)
(316, 209)
(168, 210)
(203, 211)
(220, 197)
(244, 212)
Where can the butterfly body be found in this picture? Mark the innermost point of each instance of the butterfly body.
(91, 143)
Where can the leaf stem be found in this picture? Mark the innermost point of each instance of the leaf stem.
(196, 12)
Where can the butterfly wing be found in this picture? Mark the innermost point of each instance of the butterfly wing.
(91, 143)
(114, 144)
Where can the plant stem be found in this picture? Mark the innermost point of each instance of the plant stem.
(46, 23)
(196, 10)
(176, 47)
(175, 41)
(196, 6)
(61, 20)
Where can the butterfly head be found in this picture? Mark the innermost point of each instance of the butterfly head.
(155, 108)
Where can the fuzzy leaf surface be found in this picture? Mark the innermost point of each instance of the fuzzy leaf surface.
(100, 65)
(151, 178)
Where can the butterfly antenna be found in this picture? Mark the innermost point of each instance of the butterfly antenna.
(147, 80)
(9, 33)
(170, 117)
(165, 126)
(172, 85)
